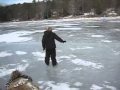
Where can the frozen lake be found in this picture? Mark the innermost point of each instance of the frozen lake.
(90, 60)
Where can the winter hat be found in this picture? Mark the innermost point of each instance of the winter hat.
(49, 29)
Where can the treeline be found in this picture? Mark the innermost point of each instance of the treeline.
(56, 8)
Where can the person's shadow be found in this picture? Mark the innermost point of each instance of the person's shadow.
(52, 73)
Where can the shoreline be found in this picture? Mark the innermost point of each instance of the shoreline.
(94, 18)
(73, 18)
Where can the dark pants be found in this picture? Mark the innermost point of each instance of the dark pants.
(51, 53)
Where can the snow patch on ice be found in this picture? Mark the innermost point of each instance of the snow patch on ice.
(72, 56)
(12, 25)
(116, 29)
(69, 29)
(110, 87)
(38, 54)
(6, 71)
(73, 49)
(77, 69)
(40, 59)
(87, 63)
(115, 21)
(66, 57)
(68, 25)
(71, 35)
(25, 61)
(20, 52)
(96, 87)
(93, 19)
(5, 54)
(107, 41)
(51, 85)
(59, 50)
(8, 65)
(64, 70)
(92, 26)
(97, 36)
(15, 37)
(116, 53)
(78, 84)
(106, 82)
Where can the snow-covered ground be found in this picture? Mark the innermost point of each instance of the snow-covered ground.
(90, 60)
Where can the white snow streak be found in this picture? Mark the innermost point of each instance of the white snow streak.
(5, 71)
(97, 36)
(38, 54)
(52, 86)
(110, 87)
(5, 54)
(20, 52)
(95, 87)
(15, 37)
(87, 63)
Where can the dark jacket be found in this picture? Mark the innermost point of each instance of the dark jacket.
(48, 40)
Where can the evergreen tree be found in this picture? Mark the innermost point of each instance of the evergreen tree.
(34, 1)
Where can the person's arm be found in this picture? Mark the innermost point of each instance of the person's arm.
(43, 42)
(58, 38)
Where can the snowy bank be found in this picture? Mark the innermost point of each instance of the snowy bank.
(90, 18)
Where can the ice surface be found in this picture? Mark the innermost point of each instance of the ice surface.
(88, 58)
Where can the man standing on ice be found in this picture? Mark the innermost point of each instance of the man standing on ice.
(48, 44)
